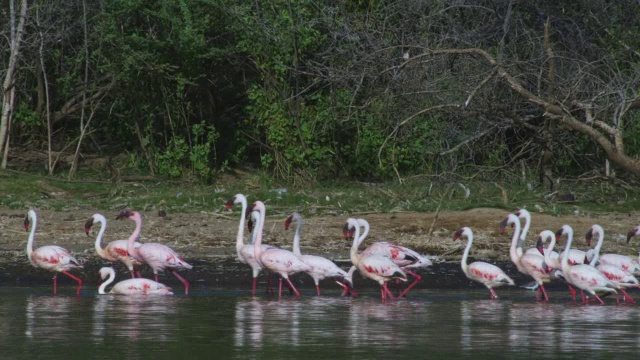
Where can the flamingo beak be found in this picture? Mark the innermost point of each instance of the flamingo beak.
(26, 225)
(631, 234)
(539, 246)
(503, 225)
(589, 236)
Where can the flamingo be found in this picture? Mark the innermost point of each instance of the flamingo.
(279, 261)
(159, 257)
(487, 274)
(50, 257)
(402, 256)
(624, 262)
(582, 276)
(114, 251)
(614, 273)
(375, 267)
(321, 267)
(553, 264)
(131, 286)
(528, 264)
(246, 253)
(526, 215)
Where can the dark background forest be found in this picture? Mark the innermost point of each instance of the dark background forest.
(311, 90)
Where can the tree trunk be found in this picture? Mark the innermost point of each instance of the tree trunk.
(546, 160)
(8, 86)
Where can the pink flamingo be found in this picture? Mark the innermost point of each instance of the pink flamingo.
(114, 251)
(279, 261)
(614, 273)
(402, 256)
(159, 257)
(528, 264)
(375, 267)
(321, 267)
(246, 253)
(51, 257)
(131, 286)
(582, 276)
(526, 215)
(487, 274)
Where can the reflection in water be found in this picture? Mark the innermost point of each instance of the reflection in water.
(434, 324)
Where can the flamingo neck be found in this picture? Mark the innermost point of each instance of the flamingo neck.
(32, 233)
(103, 227)
(133, 252)
(296, 238)
(240, 236)
(547, 255)
(465, 255)
(365, 232)
(355, 259)
(567, 248)
(103, 286)
(596, 256)
(515, 257)
(257, 246)
(525, 229)
(256, 219)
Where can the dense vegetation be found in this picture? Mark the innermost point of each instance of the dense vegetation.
(309, 89)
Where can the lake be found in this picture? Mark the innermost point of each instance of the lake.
(229, 323)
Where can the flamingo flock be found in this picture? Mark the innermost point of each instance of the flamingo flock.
(590, 272)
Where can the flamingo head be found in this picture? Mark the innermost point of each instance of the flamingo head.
(458, 234)
(124, 214)
(88, 225)
(503, 224)
(230, 203)
(589, 236)
(288, 221)
(633, 233)
(293, 217)
(540, 245)
(27, 223)
(559, 233)
(250, 224)
(348, 232)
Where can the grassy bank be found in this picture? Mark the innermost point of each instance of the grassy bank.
(21, 191)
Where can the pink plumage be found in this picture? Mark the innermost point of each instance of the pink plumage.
(487, 274)
(115, 251)
(159, 257)
(279, 261)
(131, 286)
(51, 257)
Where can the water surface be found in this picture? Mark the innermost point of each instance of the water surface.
(231, 324)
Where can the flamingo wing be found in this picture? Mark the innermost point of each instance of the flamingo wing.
(54, 258)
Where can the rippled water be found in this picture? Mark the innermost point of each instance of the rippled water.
(228, 323)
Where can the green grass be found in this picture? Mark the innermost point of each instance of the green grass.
(22, 191)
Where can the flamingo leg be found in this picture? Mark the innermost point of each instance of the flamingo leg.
(292, 288)
(280, 289)
(55, 284)
(76, 279)
(389, 294)
(253, 287)
(383, 294)
(183, 281)
(155, 274)
(627, 297)
(544, 292)
(139, 274)
(318, 289)
(418, 278)
(573, 292)
(133, 274)
(346, 289)
(597, 297)
(493, 294)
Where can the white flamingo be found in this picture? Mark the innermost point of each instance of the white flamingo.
(487, 274)
(582, 276)
(51, 257)
(375, 267)
(279, 261)
(137, 286)
(614, 273)
(321, 268)
(246, 252)
(158, 256)
(115, 251)
(528, 264)
(402, 256)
